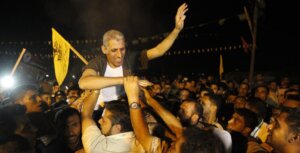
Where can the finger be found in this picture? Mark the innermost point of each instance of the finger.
(183, 11)
(182, 7)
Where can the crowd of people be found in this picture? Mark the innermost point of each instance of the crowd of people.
(183, 114)
(112, 110)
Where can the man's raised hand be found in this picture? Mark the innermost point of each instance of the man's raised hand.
(180, 16)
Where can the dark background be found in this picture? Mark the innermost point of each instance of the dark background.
(277, 35)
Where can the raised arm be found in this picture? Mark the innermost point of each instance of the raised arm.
(138, 122)
(88, 109)
(165, 45)
(90, 80)
(171, 121)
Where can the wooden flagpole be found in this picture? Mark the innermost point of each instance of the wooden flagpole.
(18, 62)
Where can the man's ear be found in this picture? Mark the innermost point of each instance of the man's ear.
(116, 128)
(247, 130)
(294, 138)
(104, 49)
(195, 118)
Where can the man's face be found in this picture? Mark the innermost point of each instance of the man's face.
(105, 123)
(185, 113)
(26, 129)
(261, 93)
(32, 101)
(273, 86)
(73, 130)
(239, 102)
(115, 52)
(281, 98)
(74, 93)
(184, 95)
(243, 90)
(46, 98)
(156, 89)
(279, 132)
(207, 105)
(236, 123)
(214, 88)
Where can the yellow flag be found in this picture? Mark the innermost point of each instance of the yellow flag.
(61, 53)
(221, 68)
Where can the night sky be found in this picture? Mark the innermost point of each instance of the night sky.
(277, 37)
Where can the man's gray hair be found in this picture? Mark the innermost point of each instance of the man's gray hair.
(112, 35)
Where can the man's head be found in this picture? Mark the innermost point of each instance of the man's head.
(257, 106)
(60, 96)
(27, 95)
(115, 118)
(285, 132)
(68, 122)
(155, 89)
(243, 89)
(195, 140)
(214, 87)
(272, 85)
(211, 104)
(14, 121)
(184, 94)
(190, 112)
(284, 82)
(261, 92)
(46, 97)
(292, 101)
(243, 121)
(114, 47)
(239, 102)
(73, 93)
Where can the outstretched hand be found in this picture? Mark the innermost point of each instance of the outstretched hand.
(180, 16)
(145, 83)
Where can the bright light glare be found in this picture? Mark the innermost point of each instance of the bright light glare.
(7, 82)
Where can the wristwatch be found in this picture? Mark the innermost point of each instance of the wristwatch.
(135, 105)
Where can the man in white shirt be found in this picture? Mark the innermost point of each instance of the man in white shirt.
(109, 70)
(115, 133)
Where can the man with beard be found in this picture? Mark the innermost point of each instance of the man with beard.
(27, 95)
(68, 123)
(115, 133)
(190, 113)
(189, 140)
(17, 134)
(285, 132)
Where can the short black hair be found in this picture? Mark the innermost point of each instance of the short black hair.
(61, 117)
(120, 114)
(257, 105)
(19, 91)
(8, 114)
(201, 141)
(74, 87)
(250, 118)
(261, 86)
(239, 142)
